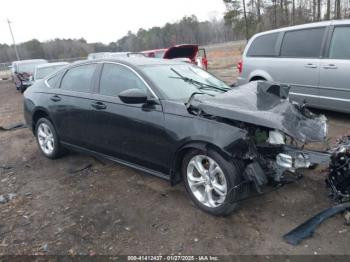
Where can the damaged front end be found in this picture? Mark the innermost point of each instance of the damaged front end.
(277, 132)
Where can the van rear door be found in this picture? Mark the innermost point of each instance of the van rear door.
(299, 63)
(334, 71)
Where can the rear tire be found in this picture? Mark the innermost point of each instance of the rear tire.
(47, 139)
(211, 187)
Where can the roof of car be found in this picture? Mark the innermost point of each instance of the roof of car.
(305, 26)
(51, 64)
(29, 61)
(136, 61)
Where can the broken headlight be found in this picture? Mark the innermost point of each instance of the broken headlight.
(276, 137)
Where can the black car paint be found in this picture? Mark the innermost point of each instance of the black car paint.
(151, 137)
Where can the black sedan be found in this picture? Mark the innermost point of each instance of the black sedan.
(176, 121)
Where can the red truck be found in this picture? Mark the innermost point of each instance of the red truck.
(187, 53)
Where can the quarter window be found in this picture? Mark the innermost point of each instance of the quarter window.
(79, 78)
(263, 45)
(340, 44)
(117, 78)
(54, 81)
(304, 43)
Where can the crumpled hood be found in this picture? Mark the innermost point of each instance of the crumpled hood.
(265, 104)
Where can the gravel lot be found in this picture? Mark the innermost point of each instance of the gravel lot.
(112, 209)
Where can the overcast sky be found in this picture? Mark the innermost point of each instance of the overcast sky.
(95, 20)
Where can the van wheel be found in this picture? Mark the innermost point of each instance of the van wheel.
(209, 180)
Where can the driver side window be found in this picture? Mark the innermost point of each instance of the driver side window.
(117, 78)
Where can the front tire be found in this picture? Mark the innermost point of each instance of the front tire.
(47, 139)
(209, 180)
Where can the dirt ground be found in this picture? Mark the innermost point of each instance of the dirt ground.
(113, 209)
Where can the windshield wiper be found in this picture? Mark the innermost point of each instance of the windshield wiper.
(200, 85)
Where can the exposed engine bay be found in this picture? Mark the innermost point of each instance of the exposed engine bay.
(277, 131)
(338, 179)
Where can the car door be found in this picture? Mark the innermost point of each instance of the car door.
(129, 132)
(335, 68)
(299, 63)
(69, 104)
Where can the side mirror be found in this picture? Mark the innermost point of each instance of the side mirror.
(133, 96)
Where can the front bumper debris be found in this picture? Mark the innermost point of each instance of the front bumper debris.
(307, 229)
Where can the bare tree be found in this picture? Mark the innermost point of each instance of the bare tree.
(293, 12)
(328, 12)
(319, 3)
(313, 10)
(245, 20)
(337, 9)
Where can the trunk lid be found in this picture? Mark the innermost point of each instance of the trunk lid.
(182, 51)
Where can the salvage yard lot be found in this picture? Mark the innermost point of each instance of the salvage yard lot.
(108, 208)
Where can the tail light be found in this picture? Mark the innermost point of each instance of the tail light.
(205, 63)
(240, 67)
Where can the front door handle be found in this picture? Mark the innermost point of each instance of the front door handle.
(98, 105)
(330, 66)
(55, 98)
(310, 65)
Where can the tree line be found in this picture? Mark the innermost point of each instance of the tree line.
(187, 30)
(247, 17)
(242, 19)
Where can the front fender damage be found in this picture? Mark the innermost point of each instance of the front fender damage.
(277, 132)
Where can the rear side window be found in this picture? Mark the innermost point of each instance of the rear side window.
(54, 81)
(79, 78)
(303, 43)
(117, 78)
(263, 45)
(340, 44)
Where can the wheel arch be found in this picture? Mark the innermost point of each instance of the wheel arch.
(257, 78)
(175, 174)
(259, 75)
(39, 113)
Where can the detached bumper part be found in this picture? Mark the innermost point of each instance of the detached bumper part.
(306, 229)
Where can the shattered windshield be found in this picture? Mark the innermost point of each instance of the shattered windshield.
(179, 82)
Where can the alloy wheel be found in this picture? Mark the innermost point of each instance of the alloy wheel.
(207, 181)
(46, 139)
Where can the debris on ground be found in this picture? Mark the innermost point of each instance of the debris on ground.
(74, 170)
(5, 167)
(28, 194)
(13, 127)
(347, 217)
(3, 200)
(44, 247)
(307, 228)
(6, 198)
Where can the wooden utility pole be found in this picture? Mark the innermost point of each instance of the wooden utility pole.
(13, 40)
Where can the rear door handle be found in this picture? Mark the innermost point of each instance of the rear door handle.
(55, 98)
(310, 65)
(330, 66)
(98, 105)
